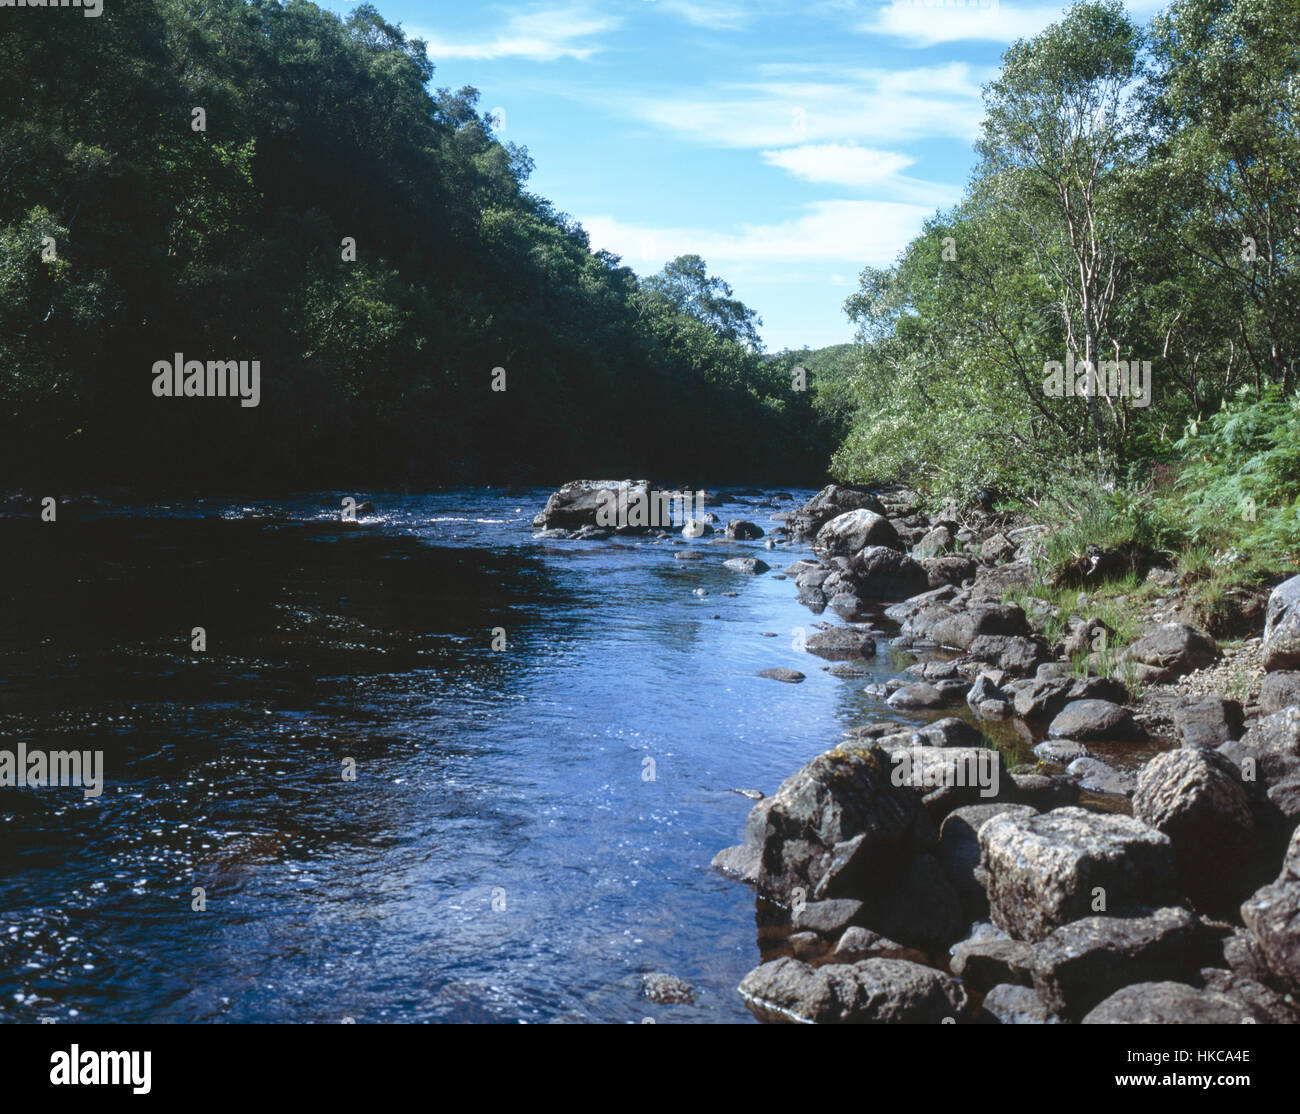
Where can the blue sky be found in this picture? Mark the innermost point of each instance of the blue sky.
(789, 143)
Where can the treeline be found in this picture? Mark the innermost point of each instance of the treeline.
(187, 177)
(1136, 199)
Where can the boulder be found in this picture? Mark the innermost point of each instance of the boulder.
(1091, 720)
(826, 918)
(985, 963)
(1044, 792)
(917, 696)
(868, 991)
(789, 676)
(1282, 627)
(838, 827)
(1096, 777)
(751, 566)
(1009, 1004)
(841, 644)
(1049, 869)
(1207, 721)
(852, 532)
(741, 530)
(861, 943)
(953, 569)
(1172, 650)
(880, 573)
(831, 501)
(1048, 695)
(1169, 1003)
(1272, 916)
(934, 543)
(959, 851)
(579, 503)
(1082, 963)
(959, 628)
(1278, 690)
(1196, 798)
(1015, 654)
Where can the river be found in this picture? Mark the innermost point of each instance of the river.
(529, 829)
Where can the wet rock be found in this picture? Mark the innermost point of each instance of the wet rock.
(1090, 720)
(742, 530)
(1282, 627)
(590, 503)
(740, 863)
(1207, 721)
(752, 566)
(1197, 799)
(1060, 751)
(1096, 777)
(1172, 650)
(920, 909)
(861, 943)
(1082, 963)
(696, 528)
(667, 989)
(1044, 870)
(880, 573)
(789, 676)
(917, 697)
(690, 555)
(868, 991)
(1049, 694)
(826, 918)
(1168, 1003)
(1009, 1004)
(841, 644)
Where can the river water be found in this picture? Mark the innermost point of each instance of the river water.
(529, 829)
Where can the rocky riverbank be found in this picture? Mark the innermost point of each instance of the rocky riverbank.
(1145, 869)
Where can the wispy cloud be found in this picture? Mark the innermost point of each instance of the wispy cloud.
(716, 15)
(542, 35)
(840, 164)
(928, 22)
(863, 106)
(848, 232)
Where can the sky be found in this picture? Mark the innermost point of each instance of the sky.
(788, 142)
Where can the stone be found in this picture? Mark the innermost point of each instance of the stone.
(959, 851)
(742, 530)
(1282, 627)
(983, 964)
(868, 991)
(1090, 720)
(1169, 1003)
(1173, 650)
(1278, 690)
(841, 644)
(1272, 916)
(789, 676)
(1048, 869)
(850, 533)
(1096, 777)
(666, 989)
(1207, 721)
(1009, 1004)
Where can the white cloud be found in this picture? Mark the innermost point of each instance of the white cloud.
(849, 232)
(839, 163)
(861, 106)
(542, 35)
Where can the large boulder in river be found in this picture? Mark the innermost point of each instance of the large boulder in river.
(1196, 797)
(838, 827)
(841, 644)
(849, 533)
(578, 503)
(742, 530)
(1282, 627)
(1049, 869)
(832, 500)
(868, 991)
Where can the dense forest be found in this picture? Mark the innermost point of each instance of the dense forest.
(235, 180)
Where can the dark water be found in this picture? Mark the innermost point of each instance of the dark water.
(503, 854)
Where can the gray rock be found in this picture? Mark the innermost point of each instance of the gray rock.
(868, 991)
(1048, 695)
(959, 851)
(954, 568)
(1081, 964)
(1017, 1005)
(917, 696)
(1260, 998)
(1043, 792)
(1096, 777)
(1169, 1003)
(831, 501)
(861, 943)
(1272, 916)
(1282, 627)
(1089, 720)
(936, 542)
(742, 530)
(880, 573)
(984, 964)
(1048, 869)
(838, 827)
(589, 502)
(1207, 721)
(789, 676)
(1060, 751)
(1173, 649)
(749, 565)
(1197, 799)
(1017, 655)
(851, 532)
(666, 989)
(826, 918)
(1278, 690)
(741, 863)
(841, 644)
